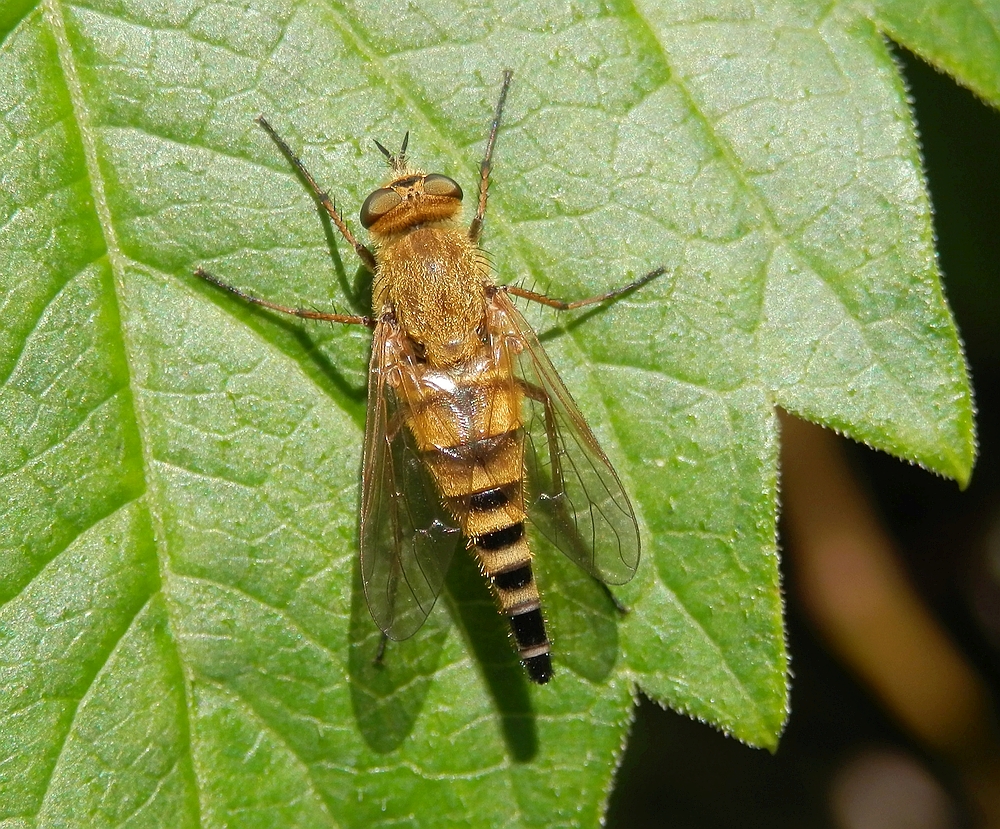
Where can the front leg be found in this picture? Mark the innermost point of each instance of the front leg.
(366, 256)
(476, 228)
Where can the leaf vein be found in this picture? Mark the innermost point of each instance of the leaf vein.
(85, 696)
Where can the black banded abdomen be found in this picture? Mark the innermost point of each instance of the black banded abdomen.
(505, 559)
(472, 442)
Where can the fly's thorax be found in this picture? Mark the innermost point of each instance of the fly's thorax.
(435, 280)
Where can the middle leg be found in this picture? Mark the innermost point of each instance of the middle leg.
(562, 305)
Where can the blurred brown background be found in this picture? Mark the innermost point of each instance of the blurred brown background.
(892, 580)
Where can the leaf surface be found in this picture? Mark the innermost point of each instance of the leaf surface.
(183, 635)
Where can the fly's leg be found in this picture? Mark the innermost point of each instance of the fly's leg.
(561, 305)
(476, 228)
(380, 653)
(557, 495)
(538, 394)
(622, 610)
(366, 256)
(304, 313)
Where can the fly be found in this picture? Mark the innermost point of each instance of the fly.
(469, 429)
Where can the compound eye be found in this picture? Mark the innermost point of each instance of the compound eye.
(438, 185)
(377, 205)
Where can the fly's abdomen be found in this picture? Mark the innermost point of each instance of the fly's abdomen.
(477, 461)
(506, 560)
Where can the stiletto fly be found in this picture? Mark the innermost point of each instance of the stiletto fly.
(469, 429)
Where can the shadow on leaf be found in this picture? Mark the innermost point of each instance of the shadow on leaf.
(485, 631)
(387, 695)
(583, 619)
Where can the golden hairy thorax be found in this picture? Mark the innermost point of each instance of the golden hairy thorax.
(435, 281)
(429, 273)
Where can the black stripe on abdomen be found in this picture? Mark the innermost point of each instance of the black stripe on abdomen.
(501, 538)
(539, 667)
(513, 579)
(529, 628)
(506, 559)
(532, 644)
(490, 499)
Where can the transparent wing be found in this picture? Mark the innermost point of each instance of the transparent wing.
(574, 496)
(407, 538)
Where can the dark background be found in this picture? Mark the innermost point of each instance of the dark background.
(680, 773)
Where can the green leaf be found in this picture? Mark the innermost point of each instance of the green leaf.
(962, 38)
(183, 636)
